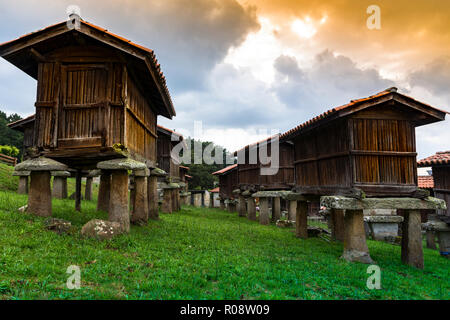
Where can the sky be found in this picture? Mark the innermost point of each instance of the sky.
(248, 68)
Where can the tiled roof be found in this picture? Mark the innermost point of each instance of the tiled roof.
(255, 144)
(222, 171)
(442, 157)
(169, 130)
(148, 52)
(20, 122)
(215, 190)
(350, 105)
(426, 182)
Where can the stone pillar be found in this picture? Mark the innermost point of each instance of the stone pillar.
(264, 211)
(251, 209)
(276, 209)
(104, 191)
(23, 185)
(211, 199)
(242, 206)
(301, 220)
(131, 187)
(337, 224)
(355, 246)
(444, 242)
(118, 204)
(23, 181)
(222, 204)
(60, 184)
(88, 189)
(153, 197)
(412, 251)
(78, 190)
(431, 240)
(40, 195)
(292, 210)
(140, 206)
(167, 200)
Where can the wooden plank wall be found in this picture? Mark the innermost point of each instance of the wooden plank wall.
(46, 104)
(392, 147)
(441, 177)
(140, 123)
(322, 156)
(250, 174)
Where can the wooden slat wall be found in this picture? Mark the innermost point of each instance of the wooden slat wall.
(384, 135)
(84, 88)
(250, 174)
(140, 124)
(321, 156)
(441, 177)
(47, 95)
(227, 183)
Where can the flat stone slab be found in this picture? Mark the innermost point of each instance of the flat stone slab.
(182, 184)
(121, 164)
(236, 191)
(383, 219)
(339, 202)
(60, 173)
(41, 164)
(436, 226)
(185, 194)
(21, 173)
(246, 193)
(157, 172)
(271, 194)
(142, 172)
(170, 185)
(94, 173)
(293, 196)
(228, 201)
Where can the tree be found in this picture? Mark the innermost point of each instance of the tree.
(202, 177)
(9, 136)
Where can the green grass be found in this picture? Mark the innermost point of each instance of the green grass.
(195, 254)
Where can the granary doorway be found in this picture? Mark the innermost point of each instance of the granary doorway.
(83, 105)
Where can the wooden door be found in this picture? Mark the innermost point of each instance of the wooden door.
(83, 103)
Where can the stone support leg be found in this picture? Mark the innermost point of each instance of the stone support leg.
(88, 189)
(276, 209)
(242, 206)
(355, 246)
(118, 205)
(104, 191)
(251, 209)
(264, 211)
(153, 197)
(140, 207)
(167, 201)
(431, 239)
(412, 251)
(40, 195)
(23, 185)
(337, 224)
(301, 221)
(292, 210)
(59, 186)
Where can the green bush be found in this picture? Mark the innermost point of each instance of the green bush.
(11, 151)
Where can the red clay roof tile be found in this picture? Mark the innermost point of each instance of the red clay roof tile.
(442, 157)
(426, 182)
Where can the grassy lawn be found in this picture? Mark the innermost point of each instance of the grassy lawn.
(195, 254)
